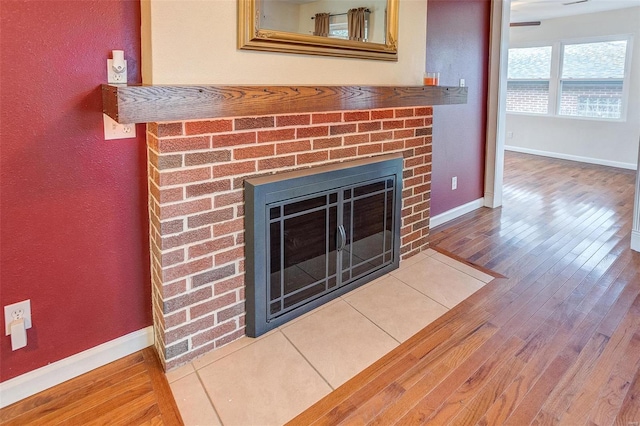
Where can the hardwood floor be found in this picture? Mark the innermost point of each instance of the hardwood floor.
(130, 391)
(557, 341)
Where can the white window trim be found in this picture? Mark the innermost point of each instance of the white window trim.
(555, 81)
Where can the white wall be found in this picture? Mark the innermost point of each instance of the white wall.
(600, 142)
(195, 42)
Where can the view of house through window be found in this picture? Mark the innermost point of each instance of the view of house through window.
(589, 82)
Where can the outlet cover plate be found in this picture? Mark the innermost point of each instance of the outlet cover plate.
(25, 306)
(114, 130)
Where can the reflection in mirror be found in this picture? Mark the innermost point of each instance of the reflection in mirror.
(349, 28)
(366, 19)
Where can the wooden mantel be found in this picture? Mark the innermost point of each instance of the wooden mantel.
(143, 104)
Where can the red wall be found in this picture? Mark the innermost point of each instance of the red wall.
(74, 231)
(458, 47)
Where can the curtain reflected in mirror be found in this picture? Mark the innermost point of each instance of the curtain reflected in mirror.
(349, 28)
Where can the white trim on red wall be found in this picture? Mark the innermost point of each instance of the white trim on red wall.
(35, 381)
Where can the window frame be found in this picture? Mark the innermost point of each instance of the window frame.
(555, 79)
(537, 80)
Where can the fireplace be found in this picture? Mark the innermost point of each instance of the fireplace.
(315, 234)
(199, 244)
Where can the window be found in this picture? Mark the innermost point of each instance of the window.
(528, 73)
(569, 79)
(339, 27)
(592, 79)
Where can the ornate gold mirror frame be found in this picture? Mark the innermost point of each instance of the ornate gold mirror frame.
(252, 37)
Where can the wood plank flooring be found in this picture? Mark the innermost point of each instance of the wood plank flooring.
(130, 391)
(556, 341)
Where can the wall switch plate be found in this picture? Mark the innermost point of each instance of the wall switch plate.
(454, 183)
(510, 135)
(17, 311)
(115, 130)
(462, 82)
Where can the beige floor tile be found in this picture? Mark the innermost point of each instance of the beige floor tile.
(265, 383)
(180, 372)
(193, 402)
(485, 278)
(397, 308)
(413, 260)
(225, 350)
(339, 341)
(439, 281)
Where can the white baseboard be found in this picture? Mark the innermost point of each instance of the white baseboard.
(635, 240)
(618, 164)
(455, 212)
(35, 381)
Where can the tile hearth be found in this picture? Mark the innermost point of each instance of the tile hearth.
(271, 379)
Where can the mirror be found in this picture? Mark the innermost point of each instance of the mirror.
(321, 27)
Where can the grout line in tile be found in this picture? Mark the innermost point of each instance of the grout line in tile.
(436, 257)
(459, 270)
(215, 410)
(308, 362)
(372, 322)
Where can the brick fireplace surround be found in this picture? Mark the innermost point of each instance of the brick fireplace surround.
(196, 172)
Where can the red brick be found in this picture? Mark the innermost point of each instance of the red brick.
(424, 223)
(381, 136)
(210, 218)
(411, 219)
(413, 162)
(403, 134)
(393, 124)
(276, 135)
(209, 126)
(223, 200)
(164, 162)
(253, 122)
(408, 183)
(327, 143)
(184, 176)
(188, 329)
(414, 122)
(335, 154)
(369, 149)
(424, 111)
(380, 114)
(424, 131)
(187, 269)
(312, 157)
(240, 236)
(234, 169)
(228, 227)
(293, 120)
(227, 285)
(232, 336)
(425, 149)
(254, 152)
(312, 132)
(172, 257)
(216, 274)
(422, 189)
(356, 139)
(343, 129)
(423, 170)
(393, 146)
(208, 188)
(230, 312)
(211, 246)
(289, 147)
(276, 162)
(185, 300)
(332, 117)
(356, 116)
(421, 207)
(233, 139)
(428, 121)
(210, 335)
(404, 112)
(174, 289)
(184, 144)
(183, 209)
(412, 143)
(369, 126)
(171, 195)
(152, 142)
(209, 157)
(162, 130)
(186, 237)
(172, 227)
(175, 319)
(410, 237)
(229, 256)
(409, 201)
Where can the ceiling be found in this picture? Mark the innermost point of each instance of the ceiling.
(537, 10)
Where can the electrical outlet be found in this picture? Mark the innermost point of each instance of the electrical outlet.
(462, 82)
(454, 183)
(115, 130)
(510, 135)
(16, 311)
